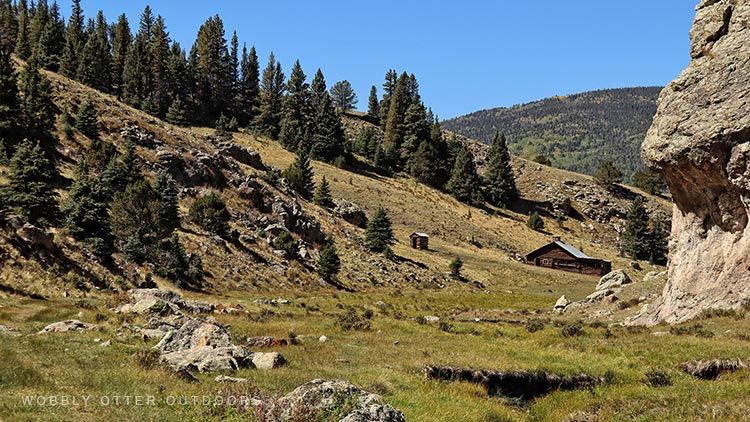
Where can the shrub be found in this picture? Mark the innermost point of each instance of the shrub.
(210, 212)
(572, 330)
(534, 325)
(535, 222)
(285, 242)
(657, 378)
(455, 267)
(351, 320)
(695, 329)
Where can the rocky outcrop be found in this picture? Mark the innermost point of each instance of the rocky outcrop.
(65, 326)
(350, 212)
(700, 143)
(321, 399)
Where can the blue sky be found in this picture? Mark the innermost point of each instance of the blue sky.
(467, 55)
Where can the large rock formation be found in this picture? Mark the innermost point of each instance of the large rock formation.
(700, 142)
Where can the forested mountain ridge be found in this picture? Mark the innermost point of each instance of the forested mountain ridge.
(576, 132)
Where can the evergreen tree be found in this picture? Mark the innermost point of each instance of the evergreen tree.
(122, 172)
(160, 57)
(212, 66)
(8, 26)
(343, 96)
(23, 43)
(10, 104)
(318, 90)
(37, 108)
(74, 41)
(87, 121)
(658, 240)
(30, 185)
(299, 175)
(121, 42)
(649, 181)
(394, 130)
(455, 267)
(322, 197)
(86, 216)
(465, 183)
(501, 183)
(39, 16)
(177, 113)
(210, 212)
(135, 220)
(389, 86)
(165, 189)
(329, 263)
(373, 106)
(234, 65)
(636, 237)
(379, 233)
(98, 155)
(423, 165)
(608, 175)
(268, 120)
(295, 117)
(329, 141)
(222, 131)
(249, 87)
(416, 129)
(49, 45)
(136, 76)
(535, 222)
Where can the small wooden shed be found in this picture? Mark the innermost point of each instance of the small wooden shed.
(420, 240)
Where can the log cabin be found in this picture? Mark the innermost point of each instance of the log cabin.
(560, 255)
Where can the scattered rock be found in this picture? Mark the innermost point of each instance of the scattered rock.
(266, 341)
(36, 237)
(561, 304)
(4, 329)
(350, 212)
(225, 378)
(654, 276)
(268, 360)
(430, 319)
(712, 369)
(243, 155)
(69, 325)
(319, 399)
(322, 339)
(105, 343)
(617, 278)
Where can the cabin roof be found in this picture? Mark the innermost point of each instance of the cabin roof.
(567, 247)
(418, 234)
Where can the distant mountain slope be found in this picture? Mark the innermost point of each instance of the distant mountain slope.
(575, 132)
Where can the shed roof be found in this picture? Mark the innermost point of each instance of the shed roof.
(418, 234)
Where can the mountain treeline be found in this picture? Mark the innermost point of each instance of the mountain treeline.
(576, 132)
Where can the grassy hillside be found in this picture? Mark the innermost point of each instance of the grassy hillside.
(497, 317)
(575, 132)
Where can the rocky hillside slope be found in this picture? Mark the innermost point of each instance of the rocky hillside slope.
(489, 241)
(575, 132)
(699, 142)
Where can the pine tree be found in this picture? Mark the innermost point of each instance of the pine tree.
(222, 129)
(423, 165)
(10, 103)
(249, 87)
(210, 212)
(343, 96)
(137, 76)
(8, 26)
(86, 216)
(30, 185)
(329, 142)
(51, 40)
(165, 189)
(122, 172)
(121, 42)
(234, 65)
(98, 155)
(649, 181)
(501, 183)
(608, 175)
(322, 197)
(37, 108)
(212, 64)
(160, 54)
(299, 175)
(379, 233)
(658, 240)
(268, 120)
(535, 222)
(177, 113)
(318, 90)
(455, 267)
(373, 106)
(87, 121)
(329, 263)
(465, 183)
(135, 220)
(74, 41)
(296, 113)
(23, 44)
(37, 22)
(635, 238)
(389, 86)
(394, 127)
(416, 129)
